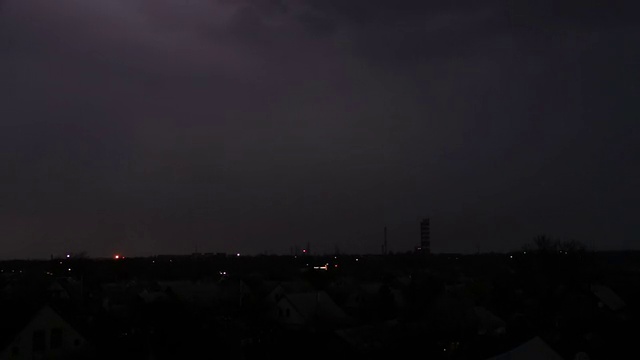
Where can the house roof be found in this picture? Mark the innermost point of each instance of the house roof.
(318, 305)
(267, 287)
(299, 286)
(608, 297)
(371, 336)
(55, 286)
(198, 292)
(534, 349)
(151, 296)
(403, 280)
(487, 321)
(233, 287)
(16, 316)
(371, 288)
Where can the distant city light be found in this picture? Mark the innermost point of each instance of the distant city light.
(68, 256)
(304, 250)
(510, 256)
(238, 254)
(357, 259)
(116, 257)
(69, 269)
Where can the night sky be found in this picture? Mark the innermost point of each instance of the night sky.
(154, 126)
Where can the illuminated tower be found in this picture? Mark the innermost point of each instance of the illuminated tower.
(425, 236)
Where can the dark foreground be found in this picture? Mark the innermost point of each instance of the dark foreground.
(541, 304)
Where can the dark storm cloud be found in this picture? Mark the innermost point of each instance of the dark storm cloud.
(150, 126)
(423, 30)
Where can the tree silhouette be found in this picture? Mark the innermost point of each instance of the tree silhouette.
(544, 244)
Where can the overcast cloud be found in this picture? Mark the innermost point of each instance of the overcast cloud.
(153, 126)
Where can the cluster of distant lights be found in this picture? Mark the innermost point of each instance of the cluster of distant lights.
(524, 253)
(304, 251)
(120, 257)
(325, 267)
(559, 251)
